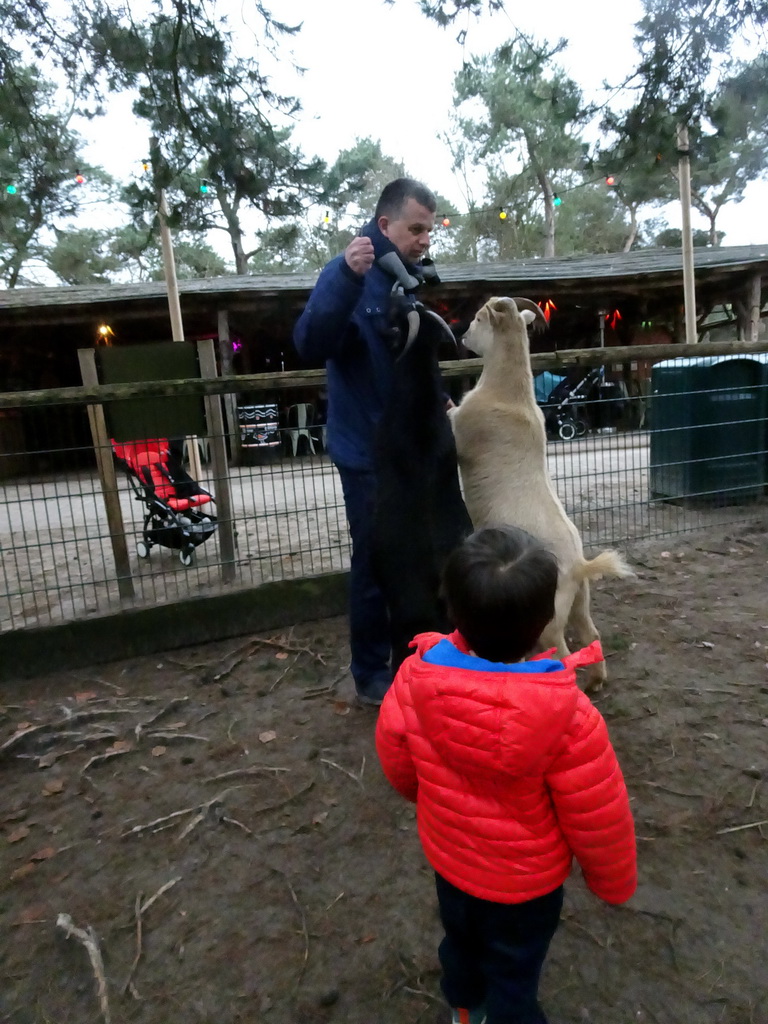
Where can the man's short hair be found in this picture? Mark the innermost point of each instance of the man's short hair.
(397, 193)
(500, 585)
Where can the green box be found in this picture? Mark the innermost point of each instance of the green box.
(133, 419)
(708, 429)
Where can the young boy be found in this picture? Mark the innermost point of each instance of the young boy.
(512, 773)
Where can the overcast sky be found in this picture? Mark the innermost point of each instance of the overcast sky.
(387, 73)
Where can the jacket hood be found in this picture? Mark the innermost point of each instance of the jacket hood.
(484, 718)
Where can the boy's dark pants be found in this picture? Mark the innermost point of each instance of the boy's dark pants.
(492, 953)
(369, 639)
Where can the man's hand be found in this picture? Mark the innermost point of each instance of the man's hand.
(359, 255)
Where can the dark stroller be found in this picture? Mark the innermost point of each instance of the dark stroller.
(173, 500)
(564, 405)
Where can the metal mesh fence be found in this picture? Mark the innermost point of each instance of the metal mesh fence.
(79, 539)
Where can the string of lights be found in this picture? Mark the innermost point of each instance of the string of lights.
(445, 220)
(611, 181)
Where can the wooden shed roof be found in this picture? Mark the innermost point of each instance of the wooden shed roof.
(585, 273)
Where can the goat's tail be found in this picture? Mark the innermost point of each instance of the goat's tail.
(607, 563)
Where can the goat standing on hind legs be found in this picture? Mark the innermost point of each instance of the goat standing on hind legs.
(501, 444)
(419, 514)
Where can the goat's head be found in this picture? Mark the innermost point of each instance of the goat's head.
(502, 315)
(409, 321)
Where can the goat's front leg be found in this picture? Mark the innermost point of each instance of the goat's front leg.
(580, 624)
(553, 636)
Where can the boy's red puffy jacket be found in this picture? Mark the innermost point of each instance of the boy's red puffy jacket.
(511, 770)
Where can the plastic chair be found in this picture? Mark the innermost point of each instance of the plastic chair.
(301, 415)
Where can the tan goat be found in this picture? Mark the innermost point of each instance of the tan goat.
(501, 445)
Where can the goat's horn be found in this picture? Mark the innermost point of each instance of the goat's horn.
(448, 335)
(414, 323)
(529, 305)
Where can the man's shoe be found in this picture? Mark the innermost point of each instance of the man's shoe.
(459, 1015)
(371, 694)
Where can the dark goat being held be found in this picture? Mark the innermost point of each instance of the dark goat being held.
(420, 514)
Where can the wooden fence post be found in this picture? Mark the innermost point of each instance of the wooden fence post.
(108, 477)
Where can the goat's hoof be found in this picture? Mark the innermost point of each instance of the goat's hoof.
(594, 685)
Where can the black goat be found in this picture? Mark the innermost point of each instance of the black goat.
(420, 514)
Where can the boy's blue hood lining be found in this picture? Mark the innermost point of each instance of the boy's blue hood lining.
(446, 654)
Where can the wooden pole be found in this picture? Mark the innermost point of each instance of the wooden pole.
(684, 154)
(221, 489)
(754, 305)
(106, 467)
(174, 305)
(169, 268)
(230, 400)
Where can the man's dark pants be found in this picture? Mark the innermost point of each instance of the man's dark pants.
(492, 953)
(368, 620)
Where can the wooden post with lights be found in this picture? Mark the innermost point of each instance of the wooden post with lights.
(172, 290)
(689, 294)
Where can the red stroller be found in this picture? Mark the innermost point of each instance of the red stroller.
(171, 497)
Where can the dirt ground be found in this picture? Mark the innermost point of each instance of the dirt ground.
(216, 815)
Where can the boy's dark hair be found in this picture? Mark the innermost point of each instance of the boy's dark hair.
(499, 586)
(397, 193)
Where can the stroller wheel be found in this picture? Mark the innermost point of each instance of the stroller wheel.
(567, 430)
(581, 428)
(186, 557)
(142, 549)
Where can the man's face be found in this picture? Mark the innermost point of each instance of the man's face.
(410, 230)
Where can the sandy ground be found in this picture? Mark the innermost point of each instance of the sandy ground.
(216, 815)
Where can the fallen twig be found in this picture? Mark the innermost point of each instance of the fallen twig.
(99, 682)
(234, 821)
(284, 646)
(163, 711)
(575, 924)
(304, 929)
(286, 800)
(324, 691)
(195, 809)
(423, 993)
(740, 828)
(284, 673)
(88, 938)
(160, 892)
(669, 789)
(357, 778)
(137, 955)
(103, 757)
(139, 910)
(255, 769)
(69, 719)
(177, 736)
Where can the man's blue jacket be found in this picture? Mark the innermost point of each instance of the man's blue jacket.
(343, 326)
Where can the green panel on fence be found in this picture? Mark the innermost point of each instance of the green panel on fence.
(708, 426)
(133, 418)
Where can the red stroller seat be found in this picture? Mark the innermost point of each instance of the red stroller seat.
(172, 498)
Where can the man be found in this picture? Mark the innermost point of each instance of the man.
(345, 326)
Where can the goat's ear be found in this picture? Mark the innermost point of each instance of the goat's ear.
(528, 316)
